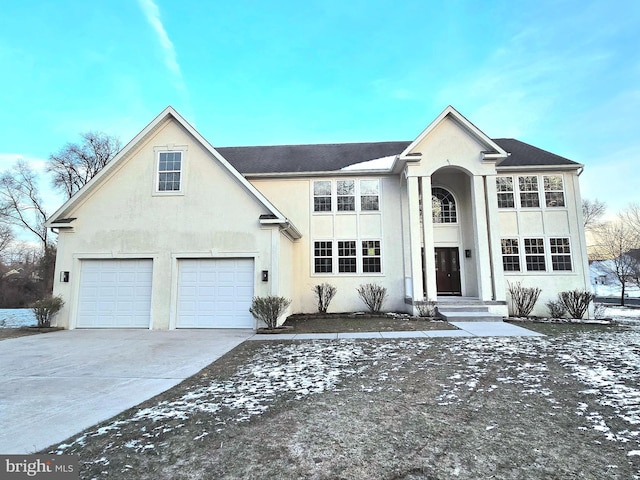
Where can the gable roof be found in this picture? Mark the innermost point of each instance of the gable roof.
(60, 218)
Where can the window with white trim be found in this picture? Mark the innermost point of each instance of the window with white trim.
(169, 172)
(346, 195)
(371, 257)
(443, 206)
(560, 254)
(323, 257)
(370, 195)
(322, 196)
(553, 190)
(504, 186)
(347, 256)
(534, 254)
(510, 255)
(528, 186)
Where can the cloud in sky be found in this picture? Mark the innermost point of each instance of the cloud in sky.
(152, 14)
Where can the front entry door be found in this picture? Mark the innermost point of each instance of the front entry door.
(448, 271)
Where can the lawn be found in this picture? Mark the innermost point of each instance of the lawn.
(561, 406)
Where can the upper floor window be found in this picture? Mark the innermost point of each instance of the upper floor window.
(553, 190)
(346, 190)
(322, 196)
(528, 190)
(369, 195)
(346, 195)
(443, 206)
(169, 171)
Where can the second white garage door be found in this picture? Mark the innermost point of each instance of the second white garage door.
(215, 293)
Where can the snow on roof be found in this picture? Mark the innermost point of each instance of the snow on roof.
(384, 163)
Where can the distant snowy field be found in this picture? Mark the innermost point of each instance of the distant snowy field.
(16, 317)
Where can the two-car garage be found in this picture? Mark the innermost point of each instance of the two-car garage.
(211, 293)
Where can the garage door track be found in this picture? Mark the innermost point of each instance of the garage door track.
(55, 385)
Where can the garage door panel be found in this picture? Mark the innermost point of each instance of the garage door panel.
(115, 293)
(217, 296)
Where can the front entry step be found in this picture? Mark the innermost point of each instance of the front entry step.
(467, 313)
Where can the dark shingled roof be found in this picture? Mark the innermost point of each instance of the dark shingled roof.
(307, 158)
(330, 157)
(525, 155)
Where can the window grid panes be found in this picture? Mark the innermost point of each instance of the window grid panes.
(504, 186)
(528, 186)
(347, 256)
(369, 195)
(322, 196)
(346, 195)
(443, 206)
(553, 190)
(560, 254)
(534, 254)
(169, 171)
(323, 257)
(371, 258)
(510, 255)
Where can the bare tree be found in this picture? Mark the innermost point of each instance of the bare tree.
(6, 236)
(592, 211)
(614, 243)
(20, 203)
(632, 217)
(75, 164)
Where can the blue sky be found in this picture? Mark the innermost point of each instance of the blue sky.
(562, 75)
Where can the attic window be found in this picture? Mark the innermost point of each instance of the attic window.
(169, 171)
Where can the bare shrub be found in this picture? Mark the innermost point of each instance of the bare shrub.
(599, 310)
(523, 299)
(46, 308)
(373, 295)
(426, 308)
(324, 293)
(576, 301)
(556, 308)
(269, 309)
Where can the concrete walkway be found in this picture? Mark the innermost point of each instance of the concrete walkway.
(55, 385)
(466, 329)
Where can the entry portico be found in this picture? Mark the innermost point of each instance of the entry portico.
(450, 178)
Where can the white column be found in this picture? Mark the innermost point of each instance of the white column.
(429, 249)
(414, 233)
(494, 238)
(481, 238)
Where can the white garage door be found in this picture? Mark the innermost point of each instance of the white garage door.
(115, 294)
(215, 293)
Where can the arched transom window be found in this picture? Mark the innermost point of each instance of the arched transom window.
(443, 206)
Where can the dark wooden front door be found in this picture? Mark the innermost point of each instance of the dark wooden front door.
(448, 271)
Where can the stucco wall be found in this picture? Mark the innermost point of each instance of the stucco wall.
(124, 218)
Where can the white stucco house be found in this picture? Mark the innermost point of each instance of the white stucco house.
(177, 233)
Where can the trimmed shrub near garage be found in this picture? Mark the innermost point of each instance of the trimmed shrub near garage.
(576, 302)
(46, 308)
(269, 309)
(373, 295)
(324, 294)
(523, 299)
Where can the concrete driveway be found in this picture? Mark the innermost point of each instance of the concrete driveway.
(54, 385)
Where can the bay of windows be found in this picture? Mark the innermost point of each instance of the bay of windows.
(346, 195)
(347, 256)
(535, 254)
(528, 190)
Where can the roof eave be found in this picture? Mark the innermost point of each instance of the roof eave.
(520, 168)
